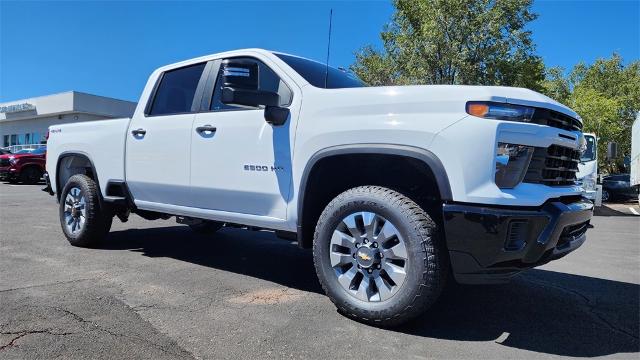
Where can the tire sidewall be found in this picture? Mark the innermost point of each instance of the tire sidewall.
(93, 223)
(342, 207)
(30, 174)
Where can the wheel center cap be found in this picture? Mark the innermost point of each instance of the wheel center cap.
(365, 257)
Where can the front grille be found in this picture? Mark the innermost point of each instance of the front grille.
(553, 166)
(4, 162)
(556, 119)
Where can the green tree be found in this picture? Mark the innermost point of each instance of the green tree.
(454, 42)
(606, 95)
(556, 85)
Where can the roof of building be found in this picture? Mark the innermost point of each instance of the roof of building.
(65, 103)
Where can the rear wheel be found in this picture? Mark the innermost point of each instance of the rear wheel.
(84, 222)
(31, 175)
(605, 195)
(378, 256)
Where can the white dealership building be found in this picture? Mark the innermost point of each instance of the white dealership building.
(25, 122)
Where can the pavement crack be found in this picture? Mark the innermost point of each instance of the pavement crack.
(96, 326)
(590, 306)
(144, 307)
(49, 284)
(23, 333)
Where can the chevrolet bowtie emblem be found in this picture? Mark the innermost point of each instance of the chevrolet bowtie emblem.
(364, 257)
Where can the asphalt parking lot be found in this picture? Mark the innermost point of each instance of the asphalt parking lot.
(157, 291)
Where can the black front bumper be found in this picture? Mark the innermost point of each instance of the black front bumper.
(490, 244)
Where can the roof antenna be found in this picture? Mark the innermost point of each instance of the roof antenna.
(326, 72)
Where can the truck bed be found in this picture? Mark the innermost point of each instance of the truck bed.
(102, 142)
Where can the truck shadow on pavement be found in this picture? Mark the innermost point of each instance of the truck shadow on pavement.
(541, 311)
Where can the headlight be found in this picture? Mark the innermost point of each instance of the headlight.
(500, 111)
(588, 183)
(512, 162)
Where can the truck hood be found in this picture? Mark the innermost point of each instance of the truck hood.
(20, 156)
(389, 95)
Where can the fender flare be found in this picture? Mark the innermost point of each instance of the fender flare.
(79, 154)
(426, 156)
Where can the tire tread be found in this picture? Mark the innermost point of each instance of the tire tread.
(435, 261)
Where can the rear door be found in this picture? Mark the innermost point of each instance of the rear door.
(159, 141)
(243, 164)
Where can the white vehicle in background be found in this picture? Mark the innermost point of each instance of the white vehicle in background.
(588, 167)
(635, 154)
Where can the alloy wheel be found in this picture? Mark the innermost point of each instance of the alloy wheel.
(369, 256)
(74, 210)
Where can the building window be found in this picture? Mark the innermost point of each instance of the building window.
(6, 141)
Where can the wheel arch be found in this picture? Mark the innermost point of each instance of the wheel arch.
(429, 160)
(83, 160)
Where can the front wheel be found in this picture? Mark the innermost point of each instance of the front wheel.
(605, 196)
(379, 256)
(84, 222)
(31, 175)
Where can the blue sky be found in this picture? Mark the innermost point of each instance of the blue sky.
(110, 48)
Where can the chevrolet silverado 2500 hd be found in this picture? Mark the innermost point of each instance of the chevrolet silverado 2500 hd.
(397, 189)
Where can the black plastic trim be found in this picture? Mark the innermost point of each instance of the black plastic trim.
(78, 154)
(476, 237)
(426, 156)
(210, 85)
(124, 188)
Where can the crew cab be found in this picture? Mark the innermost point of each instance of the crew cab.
(26, 166)
(397, 189)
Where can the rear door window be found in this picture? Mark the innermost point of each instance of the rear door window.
(176, 90)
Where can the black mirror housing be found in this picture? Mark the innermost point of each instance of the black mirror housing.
(240, 86)
(249, 97)
(276, 115)
(240, 74)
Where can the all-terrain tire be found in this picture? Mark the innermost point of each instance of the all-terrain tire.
(97, 221)
(428, 262)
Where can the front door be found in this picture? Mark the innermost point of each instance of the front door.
(159, 142)
(239, 162)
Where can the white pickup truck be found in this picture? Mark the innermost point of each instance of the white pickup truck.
(397, 189)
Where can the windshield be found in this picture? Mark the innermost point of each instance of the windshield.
(23, 151)
(590, 153)
(38, 151)
(315, 72)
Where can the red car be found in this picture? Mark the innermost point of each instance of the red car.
(26, 166)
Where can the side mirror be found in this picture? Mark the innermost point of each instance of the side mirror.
(240, 84)
(276, 115)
